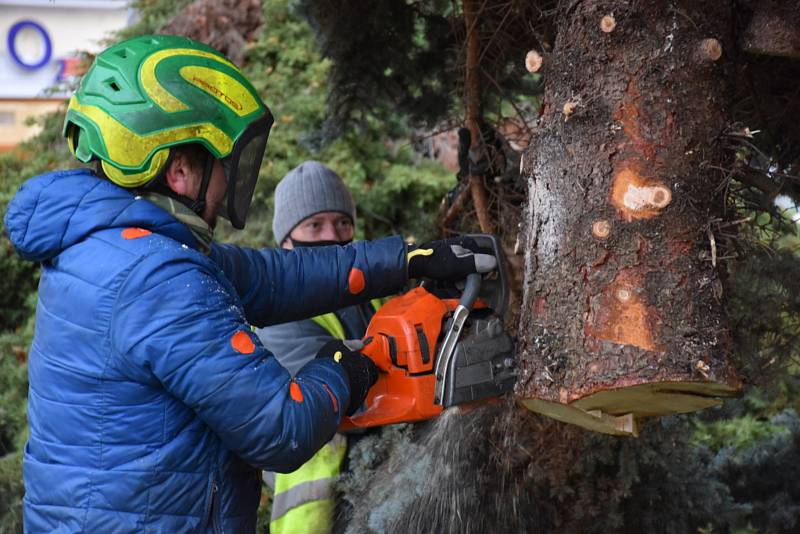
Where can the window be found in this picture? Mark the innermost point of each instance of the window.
(7, 118)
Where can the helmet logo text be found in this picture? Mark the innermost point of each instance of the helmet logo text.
(217, 92)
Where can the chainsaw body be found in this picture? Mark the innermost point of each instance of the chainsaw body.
(434, 351)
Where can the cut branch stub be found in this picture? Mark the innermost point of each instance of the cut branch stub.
(601, 229)
(608, 23)
(709, 50)
(568, 109)
(533, 61)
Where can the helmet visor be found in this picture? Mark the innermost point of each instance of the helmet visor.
(242, 168)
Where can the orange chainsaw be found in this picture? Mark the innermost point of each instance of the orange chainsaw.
(434, 349)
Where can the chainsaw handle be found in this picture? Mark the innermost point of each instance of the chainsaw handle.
(495, 285)
(472, 289)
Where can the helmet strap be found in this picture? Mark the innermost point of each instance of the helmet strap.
(159, 185)
(200, 203)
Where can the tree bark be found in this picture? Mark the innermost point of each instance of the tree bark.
(622, 315)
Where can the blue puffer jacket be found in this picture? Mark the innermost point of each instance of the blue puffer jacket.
(151, 403)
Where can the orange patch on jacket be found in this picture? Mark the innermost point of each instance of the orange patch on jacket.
(135, 233)
(295, 392)
(242, 343)
(333, 398)
(356, 281)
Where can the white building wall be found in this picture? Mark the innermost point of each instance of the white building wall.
(71, 25)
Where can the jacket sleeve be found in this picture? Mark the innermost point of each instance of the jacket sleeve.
(177, 324)
(277, 285)
(294, 344)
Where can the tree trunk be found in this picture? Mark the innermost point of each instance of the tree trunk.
(622, 315)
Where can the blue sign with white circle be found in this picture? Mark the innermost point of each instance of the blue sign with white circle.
(12, 45)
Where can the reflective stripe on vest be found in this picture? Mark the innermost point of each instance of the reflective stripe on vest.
(303, 500)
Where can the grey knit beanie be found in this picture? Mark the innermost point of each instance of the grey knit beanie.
(308, 189)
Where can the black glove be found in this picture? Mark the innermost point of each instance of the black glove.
(449, 259)
(361, 372)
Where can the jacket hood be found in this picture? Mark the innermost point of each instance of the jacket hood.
(53, 211)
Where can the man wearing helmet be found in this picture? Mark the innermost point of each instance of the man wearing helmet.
(152, 405)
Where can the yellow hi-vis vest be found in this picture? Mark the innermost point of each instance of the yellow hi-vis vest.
(304, 500)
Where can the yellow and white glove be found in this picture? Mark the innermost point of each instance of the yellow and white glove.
(449, 259)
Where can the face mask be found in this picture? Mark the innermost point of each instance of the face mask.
(298, 243)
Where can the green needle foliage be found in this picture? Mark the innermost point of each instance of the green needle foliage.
(395, 190)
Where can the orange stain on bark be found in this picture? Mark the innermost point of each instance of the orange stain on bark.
(636, 196)
(629, 117)
(620, 314)
(539, 306)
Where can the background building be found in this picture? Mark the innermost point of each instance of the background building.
(39, 44)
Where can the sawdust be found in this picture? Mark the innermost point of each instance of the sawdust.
(438, 476)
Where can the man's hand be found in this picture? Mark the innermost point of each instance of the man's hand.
(362, 373)
(449, 259)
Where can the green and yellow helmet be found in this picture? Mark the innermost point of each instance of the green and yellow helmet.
(147, 94)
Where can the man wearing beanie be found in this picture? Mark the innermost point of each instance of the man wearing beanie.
(313, 207)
